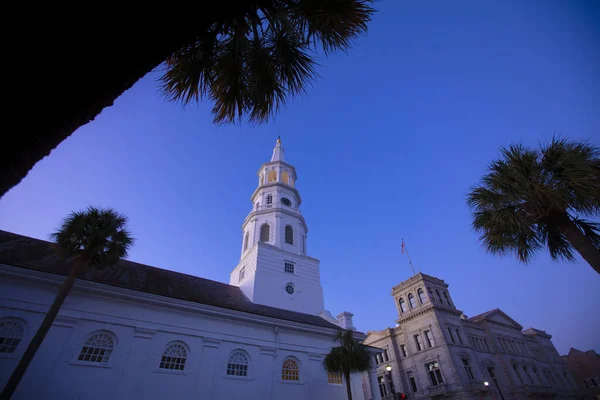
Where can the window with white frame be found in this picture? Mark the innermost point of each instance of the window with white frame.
(242, 274)
(174, 357)
(446, 297)
(237, 364)
(269, 199)
(429, 339)
(290, 371)
(467, 368)
(97, 348)
(412, 301)
(289, 267)
(265, 231)
(402, 305)
(451, 335)
(418, 342)
(246, 237)
(421, 295)
(413, 381)
(430, 294)
(334, 378)
(434, 372)
(385, 355)
(527, 374)
(439, 297)
(458, 336)
(289, 234)
(516, 369)
(403, 350)
(11, 334)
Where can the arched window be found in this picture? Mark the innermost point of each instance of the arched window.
(97, 348)
(285, 177)
(402, 305)
(269, 199)
(272, 176)
(430, 294)
(246, 241)
(439, 297)
(11, 333)
(412, 301)
(289, 234)
(335, 378)
(264, 233)
(446, 297)
(422, 297)
(174, 357)
(290, 370)
(238, 364)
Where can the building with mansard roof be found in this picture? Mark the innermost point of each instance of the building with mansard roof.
(135, 331)
(435, 350)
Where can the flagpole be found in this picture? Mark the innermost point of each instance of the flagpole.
(408, 255)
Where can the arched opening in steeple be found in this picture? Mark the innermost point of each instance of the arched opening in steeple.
(272, 176)
(285, 177)
(264, 233)
(289, 234)
(246, 236)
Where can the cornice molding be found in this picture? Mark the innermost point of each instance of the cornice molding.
(113, 292)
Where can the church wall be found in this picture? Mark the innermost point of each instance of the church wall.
(271, 280)
(142, 330)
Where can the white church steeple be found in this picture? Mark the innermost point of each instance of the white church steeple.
(274, 268)
(277, 151)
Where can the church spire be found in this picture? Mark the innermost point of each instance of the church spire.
(277, 151)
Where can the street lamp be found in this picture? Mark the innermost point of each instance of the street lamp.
(486, 383)
(388, 368)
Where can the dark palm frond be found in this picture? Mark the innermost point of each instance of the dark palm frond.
(333, 23)
(590, 229)
(556, 242)
(250, 63)
(96, 236)
(350, 356)
(574, 169)
(525, 193)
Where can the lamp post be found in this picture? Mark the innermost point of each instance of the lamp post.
(390, 383)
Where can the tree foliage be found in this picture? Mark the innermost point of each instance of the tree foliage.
(350, 356)
(529, 199)
(95, 236)
(253, 62)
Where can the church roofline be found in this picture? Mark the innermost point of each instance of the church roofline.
(24, 252)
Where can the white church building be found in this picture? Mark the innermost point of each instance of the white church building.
(137, 331)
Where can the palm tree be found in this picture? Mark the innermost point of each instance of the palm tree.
(247, 56)
(533, 199)
(350, 356)
(94, 238)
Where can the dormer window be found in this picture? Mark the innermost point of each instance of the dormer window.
(286, 202)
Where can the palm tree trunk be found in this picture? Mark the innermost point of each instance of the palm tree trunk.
(579, 241)
(348, 387)
(37, 340)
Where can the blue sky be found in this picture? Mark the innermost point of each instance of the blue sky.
(386, 146)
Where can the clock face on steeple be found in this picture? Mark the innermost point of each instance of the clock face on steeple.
(286, 202)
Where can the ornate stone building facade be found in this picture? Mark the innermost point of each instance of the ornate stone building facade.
(435, 350)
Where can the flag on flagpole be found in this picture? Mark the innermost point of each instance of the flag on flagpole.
(402, 246)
